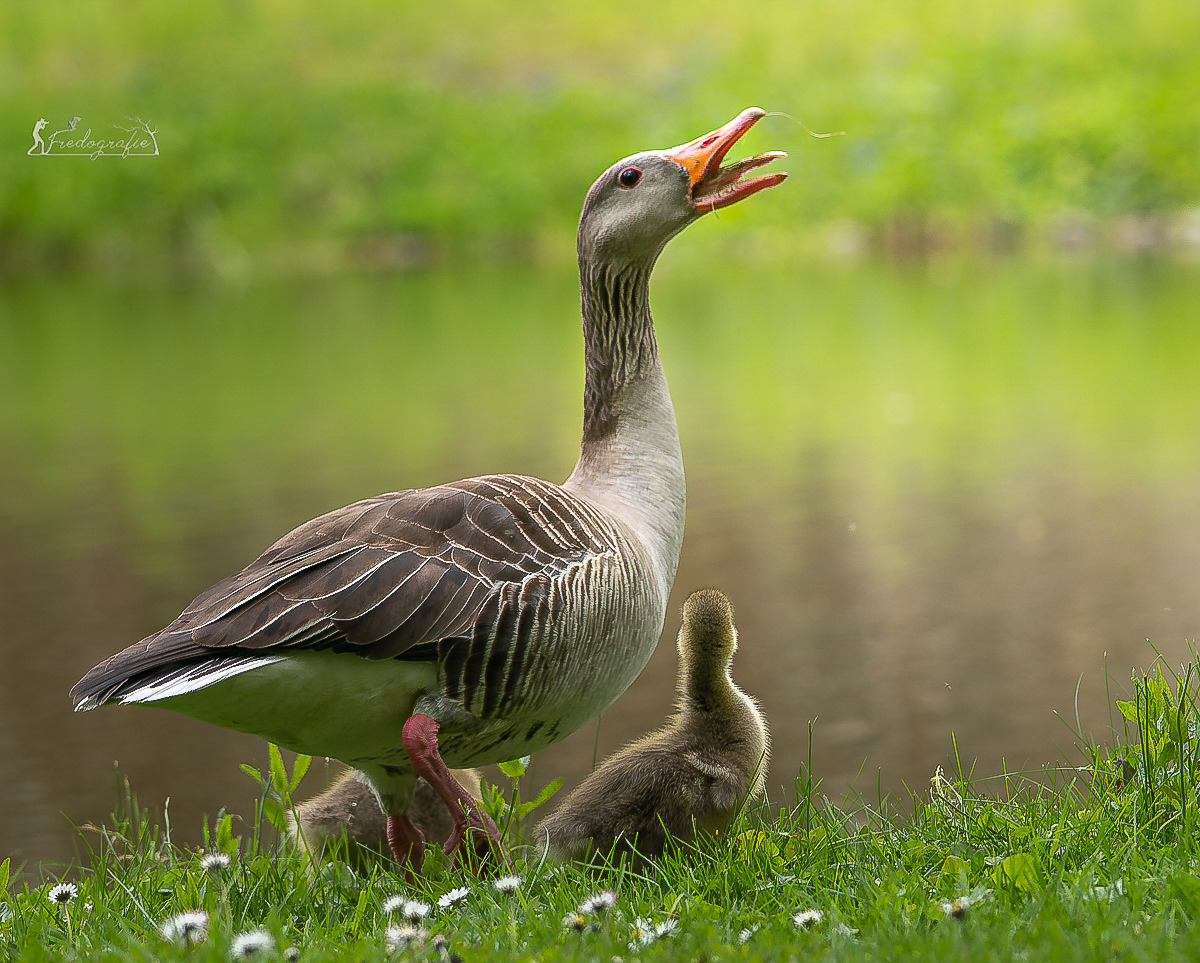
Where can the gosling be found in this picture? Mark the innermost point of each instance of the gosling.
(349, 810)
(693, 774)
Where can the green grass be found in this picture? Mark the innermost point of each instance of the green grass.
(304, 136)
(1095, 862)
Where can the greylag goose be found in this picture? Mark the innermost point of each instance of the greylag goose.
(349, 810)
(695, 773)
(480, 620)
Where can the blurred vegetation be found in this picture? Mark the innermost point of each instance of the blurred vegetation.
(300, 136)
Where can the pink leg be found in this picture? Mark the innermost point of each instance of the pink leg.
(407, 843)
(472, 826)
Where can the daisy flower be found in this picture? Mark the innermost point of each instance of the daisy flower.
(956, 907)
(598, 902)
(457, 895)
(252, 942)
(412, 909)
(213, 862)
(748, 932)
(644, 933)
(507, 885)
(62, 893)
(807, 918)
(398, 937)
(187, 928)
(575, 921)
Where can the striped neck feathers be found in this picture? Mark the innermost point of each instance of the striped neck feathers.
(619, 343)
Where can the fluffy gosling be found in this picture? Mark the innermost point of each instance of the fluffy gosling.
(693, 774)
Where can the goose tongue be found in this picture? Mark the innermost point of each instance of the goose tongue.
(714, 186)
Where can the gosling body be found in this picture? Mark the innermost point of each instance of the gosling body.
(693, 775)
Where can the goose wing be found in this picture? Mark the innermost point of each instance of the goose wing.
(402, 575)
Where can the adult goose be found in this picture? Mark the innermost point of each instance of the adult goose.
(484, 619)
(695, 773)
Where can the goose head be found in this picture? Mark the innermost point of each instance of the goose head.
(644, 200)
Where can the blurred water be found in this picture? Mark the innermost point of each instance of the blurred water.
(938, 497)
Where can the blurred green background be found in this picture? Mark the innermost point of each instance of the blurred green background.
(303, 136)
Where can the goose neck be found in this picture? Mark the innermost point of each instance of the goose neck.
(629, 459)
(618, 334)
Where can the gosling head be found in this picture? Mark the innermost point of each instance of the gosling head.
(707, 637)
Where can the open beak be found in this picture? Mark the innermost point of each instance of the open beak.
(714, 186)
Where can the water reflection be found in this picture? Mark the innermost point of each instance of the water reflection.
(935, 499)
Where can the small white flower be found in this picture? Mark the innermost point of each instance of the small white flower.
(457, 895)
(398, 937)
(187, 928)
(847, 932)
(252, 942)
(412, 909)
(62, 893)
(598, 902)
(213, 862)
(806, 918)
(575, 921)
(292, 954)
(745, 935)
(507, 885)
(958, 907)
(955, 907)
(644, 933)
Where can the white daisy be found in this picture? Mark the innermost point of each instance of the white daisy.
(213, 862)
(806, 918)
(398, 937)
(644, 933)
(412, 909)
(747, 932)
(446, 900)
(252, 942)
(575, 921)
(507, 885)
(598, 902)
(62, 893)
(187, 928)
(956, 907)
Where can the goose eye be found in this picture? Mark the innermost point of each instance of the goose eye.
(629, 176)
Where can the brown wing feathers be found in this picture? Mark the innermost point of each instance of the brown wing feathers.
(379, 577)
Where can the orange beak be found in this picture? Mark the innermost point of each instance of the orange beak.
(714, 186)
